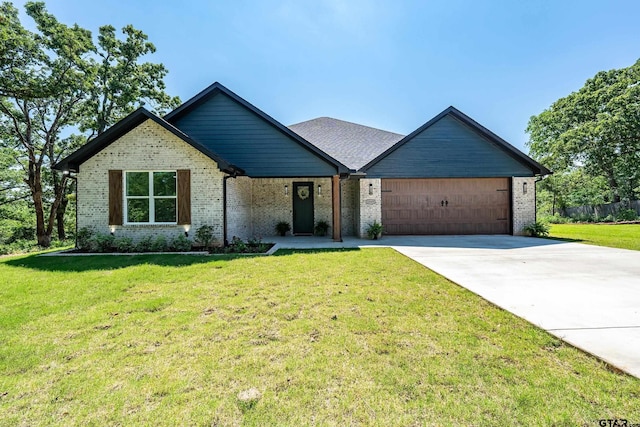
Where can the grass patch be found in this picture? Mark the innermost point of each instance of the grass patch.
(623, 236)
(353, 337)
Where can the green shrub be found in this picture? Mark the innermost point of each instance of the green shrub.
(204, 236)
(124, 244)
(103, 243)
(144, 245)
(159, 244)
(181, 243)
(282, 227)
(537, 229)
(374, 230)
(626, 215)
(84, 238)
(555, 219)
(321, 228)
(237, 245)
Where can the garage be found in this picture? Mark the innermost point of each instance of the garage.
(446, 206)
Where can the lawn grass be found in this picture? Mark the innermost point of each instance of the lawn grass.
(350, 337)
(623, 236)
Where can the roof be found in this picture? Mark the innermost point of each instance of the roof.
(536, 167)
(74, 160)
(353, 144)
(217, 87)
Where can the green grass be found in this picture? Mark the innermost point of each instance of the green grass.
(624, 236)
(354, 337)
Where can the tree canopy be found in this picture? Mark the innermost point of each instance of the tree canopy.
(596, 128)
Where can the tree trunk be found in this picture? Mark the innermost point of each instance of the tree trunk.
(44, 238)
(62, 235)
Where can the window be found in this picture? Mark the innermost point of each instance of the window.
(150, 197)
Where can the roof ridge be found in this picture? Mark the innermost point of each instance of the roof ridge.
(346, 121)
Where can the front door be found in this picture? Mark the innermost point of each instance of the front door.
(303, 208)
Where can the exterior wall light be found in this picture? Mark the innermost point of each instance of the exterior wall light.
(319, 190)
(370, 189)
(286, 190)
(112, 228)
(186, 230)
(524, 188)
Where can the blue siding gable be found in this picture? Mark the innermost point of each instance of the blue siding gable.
(448, 148)
(247, 140)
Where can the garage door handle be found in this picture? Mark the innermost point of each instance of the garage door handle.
(444, 203)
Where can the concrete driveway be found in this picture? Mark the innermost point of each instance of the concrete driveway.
(586, 295)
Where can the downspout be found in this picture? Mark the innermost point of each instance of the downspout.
(75, 178)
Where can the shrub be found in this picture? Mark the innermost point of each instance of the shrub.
(84, 237)
(204, 236)
(144, 245)
(321, 228)
(537, 229)
(237, 245)
(555, 219)
(282, 227)
(374, 230)
(103, 243)
(626, 215)
(181, 243)
(124, 244)
(159, 244)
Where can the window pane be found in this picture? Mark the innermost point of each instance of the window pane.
(164, 183)
(137, 183)
(138, 210)
(165, 210)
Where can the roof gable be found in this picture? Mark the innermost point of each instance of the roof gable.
(453, 144)
(353, 144)
(240, 132)
(74, 160)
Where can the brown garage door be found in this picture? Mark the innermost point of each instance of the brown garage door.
(446, 206)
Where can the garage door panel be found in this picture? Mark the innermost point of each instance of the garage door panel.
(446, 206)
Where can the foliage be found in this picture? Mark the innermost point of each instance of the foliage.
(159, 244)
(626, 215)
(571, 188)
(181, 243)
(84, 238)
(283, 227)
(405, 346)
(205, 236)
(144, 244)
(596, 128)
(124, 244)
(374, 230)
(103, 243)
(321, 228)
(537, 229)
(555, 219)
(624, 236)
(54, 81)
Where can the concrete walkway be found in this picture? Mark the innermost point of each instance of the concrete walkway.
(588, 296)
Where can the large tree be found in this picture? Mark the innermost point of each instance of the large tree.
(596, 128)
(56, 81)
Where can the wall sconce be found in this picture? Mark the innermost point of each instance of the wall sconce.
(370, 189)
(319, 190)
(112, 228)
(524, 188)
(286, 190)
(186, 230)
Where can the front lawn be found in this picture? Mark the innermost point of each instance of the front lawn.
(624, 236)
(352, 337)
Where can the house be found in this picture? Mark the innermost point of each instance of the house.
(218, 160)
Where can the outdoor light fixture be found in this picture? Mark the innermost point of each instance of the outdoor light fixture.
(286, 190)
(186, 234)
(524, 188)
(319, 190)
(186, 230)
(112, 229)
(370, 189)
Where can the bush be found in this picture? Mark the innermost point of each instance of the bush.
(124, 244)
(159, 244)
(103, 243)
(555, 219)
(84, 238)
(537, 229)
(237, 245)
(282, 227)
(181, 243)
(626, 215)
(374, 230)
(321, 228)
(144, 245)
(204, 236)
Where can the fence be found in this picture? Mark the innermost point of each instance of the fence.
(601, 211)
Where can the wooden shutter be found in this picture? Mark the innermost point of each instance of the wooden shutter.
(184, 196)
(115, 197)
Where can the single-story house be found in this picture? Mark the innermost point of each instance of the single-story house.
(218, 160)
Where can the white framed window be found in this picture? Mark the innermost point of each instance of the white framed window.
(150, 197)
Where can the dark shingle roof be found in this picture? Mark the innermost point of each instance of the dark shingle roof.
(352, 144)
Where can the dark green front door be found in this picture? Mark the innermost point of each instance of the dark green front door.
(303, 208)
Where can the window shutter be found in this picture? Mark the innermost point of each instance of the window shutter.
(115, 197)
(184, 196)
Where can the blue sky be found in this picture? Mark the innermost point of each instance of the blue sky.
(386, 64)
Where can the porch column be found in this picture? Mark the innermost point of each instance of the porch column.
(337, 209)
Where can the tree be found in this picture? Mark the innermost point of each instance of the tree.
(596, 128)
(56, 81)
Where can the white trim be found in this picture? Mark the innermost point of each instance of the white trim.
(151, 198)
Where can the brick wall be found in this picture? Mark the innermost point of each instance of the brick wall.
(524, 204)
(369, 205)
(239, 200)
(134, 151)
